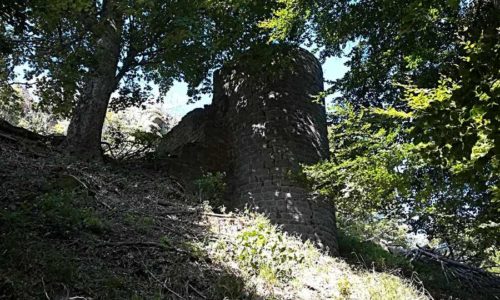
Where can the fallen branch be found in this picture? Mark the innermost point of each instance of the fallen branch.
(219, 215)
(45, 290)
(142, 244)
(10, 129)
(128, 244)
(21, 132)
(164, 203)
(183, 212)
(8, 137)
(104, 204)
(195, 211)
(79, 181)
(473, 277)
(164, 285)
(196, 291)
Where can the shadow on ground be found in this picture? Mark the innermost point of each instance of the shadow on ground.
(98, 231)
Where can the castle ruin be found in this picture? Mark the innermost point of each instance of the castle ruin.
(265, 120)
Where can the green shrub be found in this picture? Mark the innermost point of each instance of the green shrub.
(211, 187)
(375, 228)
(344, 286)
(60, 211)
(166, 241)
(262, 249)
(195, 249)
(228, 286)
(95, 224)
(369, 254)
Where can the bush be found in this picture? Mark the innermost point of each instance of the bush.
(369, 254)
(264, 251)
(211, 187)
(11, 103)
(375, 228)
(134, 132)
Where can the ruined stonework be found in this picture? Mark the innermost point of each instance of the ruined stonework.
(264, 121)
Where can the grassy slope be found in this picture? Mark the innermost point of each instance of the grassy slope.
(124, 232)
(278, 266)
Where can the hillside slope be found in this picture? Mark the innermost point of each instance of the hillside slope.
(72, 230)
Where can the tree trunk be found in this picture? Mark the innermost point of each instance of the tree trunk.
(85, 129)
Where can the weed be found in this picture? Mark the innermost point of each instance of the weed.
(166, 241)
(57, 265)
(386, 287)
(372, 256)
(268, 274)
(344, 287)
(95, 224)
(261, 248)
(196, 249)
(142, 224)
(114, 282)
(211, 187)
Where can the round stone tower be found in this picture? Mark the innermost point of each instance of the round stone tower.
(275, 122)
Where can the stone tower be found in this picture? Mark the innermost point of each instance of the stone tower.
(264, 122)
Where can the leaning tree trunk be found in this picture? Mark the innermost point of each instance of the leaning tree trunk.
(85, 129)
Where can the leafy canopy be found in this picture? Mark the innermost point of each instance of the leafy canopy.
(159, 42)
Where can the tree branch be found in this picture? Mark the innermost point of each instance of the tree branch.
(128, 63)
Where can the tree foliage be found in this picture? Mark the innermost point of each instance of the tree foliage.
(457, 122)
(83, 53)
(392, 41)
(415, 129)
(376, 177)
(159, 42)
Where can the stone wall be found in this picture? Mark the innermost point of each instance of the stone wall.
(264, 121)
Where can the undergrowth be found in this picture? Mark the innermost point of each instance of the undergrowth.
(57, 214)
(49, 244)
(369, 255)
(263, 261)
(281, 266)
(27, 247)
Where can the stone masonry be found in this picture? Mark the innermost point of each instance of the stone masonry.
(263, 123)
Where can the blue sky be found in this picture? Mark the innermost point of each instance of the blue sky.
(175, 102)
